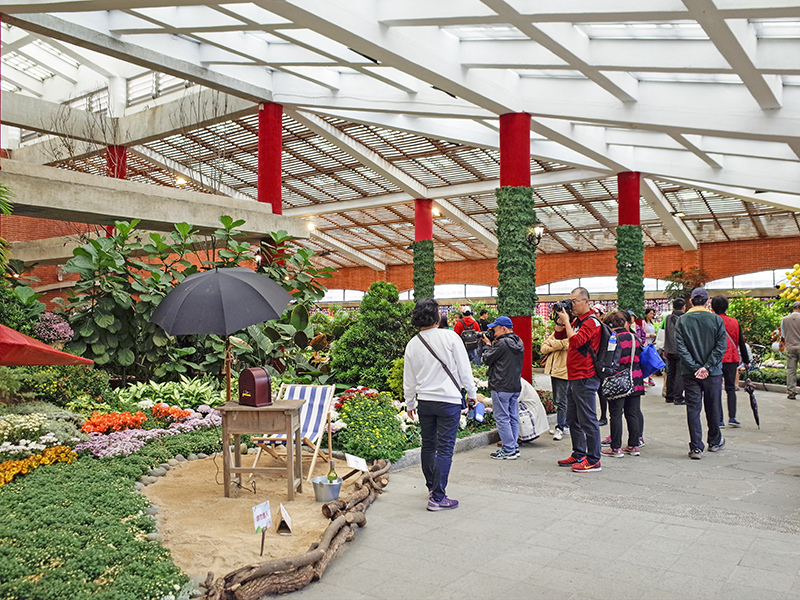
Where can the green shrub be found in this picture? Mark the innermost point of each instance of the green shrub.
(373, 430)
(14, 313)
(63, 384)
(395, 379)
(364, 353)
(756, 319)
(768, 375)
(186, 393)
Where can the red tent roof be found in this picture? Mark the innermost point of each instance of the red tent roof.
(17, 349)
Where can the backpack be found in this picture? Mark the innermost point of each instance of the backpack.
(606, 359)
(469, 336)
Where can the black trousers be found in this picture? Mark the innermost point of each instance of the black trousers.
(729, 383)
(674, 379)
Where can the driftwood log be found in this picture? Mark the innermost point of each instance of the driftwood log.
(283, 575)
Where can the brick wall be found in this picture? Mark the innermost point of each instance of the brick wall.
(722, 259)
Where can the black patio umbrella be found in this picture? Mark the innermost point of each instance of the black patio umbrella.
(751, 389)
(221, 301)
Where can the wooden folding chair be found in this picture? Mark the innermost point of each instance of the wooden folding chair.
(314, 419)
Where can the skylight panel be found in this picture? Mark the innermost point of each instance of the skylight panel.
(777, 28)
(674, 30)
(27, 66)
(56, 52)
(550, 73)
(474, 33)
(688, 77)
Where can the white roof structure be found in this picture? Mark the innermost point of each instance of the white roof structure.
(386, 101)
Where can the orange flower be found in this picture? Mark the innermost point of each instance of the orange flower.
(11, 468)
(165, 411)
(105, 423)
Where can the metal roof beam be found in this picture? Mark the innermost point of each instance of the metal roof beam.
(661, 206)
(736, 41)
(351, 253)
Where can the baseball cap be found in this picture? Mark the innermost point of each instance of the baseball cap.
(466, 310)
(503, 322)
(700, 293)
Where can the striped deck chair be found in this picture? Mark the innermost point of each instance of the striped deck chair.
(314, 418)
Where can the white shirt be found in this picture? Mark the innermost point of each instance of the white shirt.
(424, 377)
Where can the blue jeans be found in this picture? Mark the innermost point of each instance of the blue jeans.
(582, 419)
(560, 398)
(475, 356)
(438, 423)
(505, 406)
(699, 393)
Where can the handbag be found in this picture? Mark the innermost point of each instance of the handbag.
(621, 383)
(650, 361)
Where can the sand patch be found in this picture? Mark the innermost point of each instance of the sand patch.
(205, 531)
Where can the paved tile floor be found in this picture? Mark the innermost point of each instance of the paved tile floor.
(650, 527)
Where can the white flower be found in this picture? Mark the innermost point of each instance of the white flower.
(145, 404)
(462, 422)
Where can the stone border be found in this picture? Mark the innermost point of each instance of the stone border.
(162, 469)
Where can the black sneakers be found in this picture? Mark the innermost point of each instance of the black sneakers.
(717, 447)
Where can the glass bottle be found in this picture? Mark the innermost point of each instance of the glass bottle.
(332, 476)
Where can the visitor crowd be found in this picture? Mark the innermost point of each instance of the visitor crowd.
(703, 347)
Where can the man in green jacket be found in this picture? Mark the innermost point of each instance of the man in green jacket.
(701, 342)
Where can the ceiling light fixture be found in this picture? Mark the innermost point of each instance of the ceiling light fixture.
(435, 212)
(180, 181)
(678, 213)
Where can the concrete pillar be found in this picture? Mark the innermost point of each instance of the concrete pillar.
(628, 192)
(270, 146)
(423, 219)
(515, 171)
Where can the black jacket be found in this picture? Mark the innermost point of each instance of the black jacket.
(670, 346)
(504, 358)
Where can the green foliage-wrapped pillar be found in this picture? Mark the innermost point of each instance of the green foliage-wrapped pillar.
(630, 268)
(516, 260)
(424, 269)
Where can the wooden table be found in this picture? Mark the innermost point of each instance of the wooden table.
(281, 417)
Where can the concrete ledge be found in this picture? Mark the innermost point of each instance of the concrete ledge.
(476, 440)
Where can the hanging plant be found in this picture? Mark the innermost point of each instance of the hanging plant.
(516, 259)
(630, 268)
(424, 269)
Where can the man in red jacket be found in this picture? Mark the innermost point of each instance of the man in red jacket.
(472, 341)
(583, 333)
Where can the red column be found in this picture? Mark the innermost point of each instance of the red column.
(515, 170)
(515, 150)
(628, 193)
(423, 219)
(270, 146)
(116, 167)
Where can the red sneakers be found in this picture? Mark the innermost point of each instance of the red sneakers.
(585, 467)
(568, 462)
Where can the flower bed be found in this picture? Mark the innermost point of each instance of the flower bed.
(79, 530)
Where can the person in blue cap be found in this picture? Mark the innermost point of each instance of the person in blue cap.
(504, 355)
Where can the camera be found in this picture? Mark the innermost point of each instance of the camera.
(489, 333)
(565, 305)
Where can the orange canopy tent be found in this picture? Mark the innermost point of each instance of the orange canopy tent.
(17, 349)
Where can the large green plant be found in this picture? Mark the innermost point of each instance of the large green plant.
(630, 268)
(516, 259)
(757, 320)
(364, 353)
(424, 269)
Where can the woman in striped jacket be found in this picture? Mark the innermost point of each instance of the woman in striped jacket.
(630, 405)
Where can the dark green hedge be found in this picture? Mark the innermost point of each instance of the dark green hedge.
(516, 260)
(630, 268)
(424, 269)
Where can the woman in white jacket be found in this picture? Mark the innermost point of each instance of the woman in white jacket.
(436, 368)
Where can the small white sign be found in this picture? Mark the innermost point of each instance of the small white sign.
(356, 462)
(262, 517)
(285, 526)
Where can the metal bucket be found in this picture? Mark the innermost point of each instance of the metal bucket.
(324, 491)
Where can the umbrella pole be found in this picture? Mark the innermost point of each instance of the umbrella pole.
(228, 361)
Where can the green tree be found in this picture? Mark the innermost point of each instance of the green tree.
(683, 281)
(5, 209)
(757, 320)
(364, 353)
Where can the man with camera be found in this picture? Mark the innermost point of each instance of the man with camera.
(504, 353)
(577, 322)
